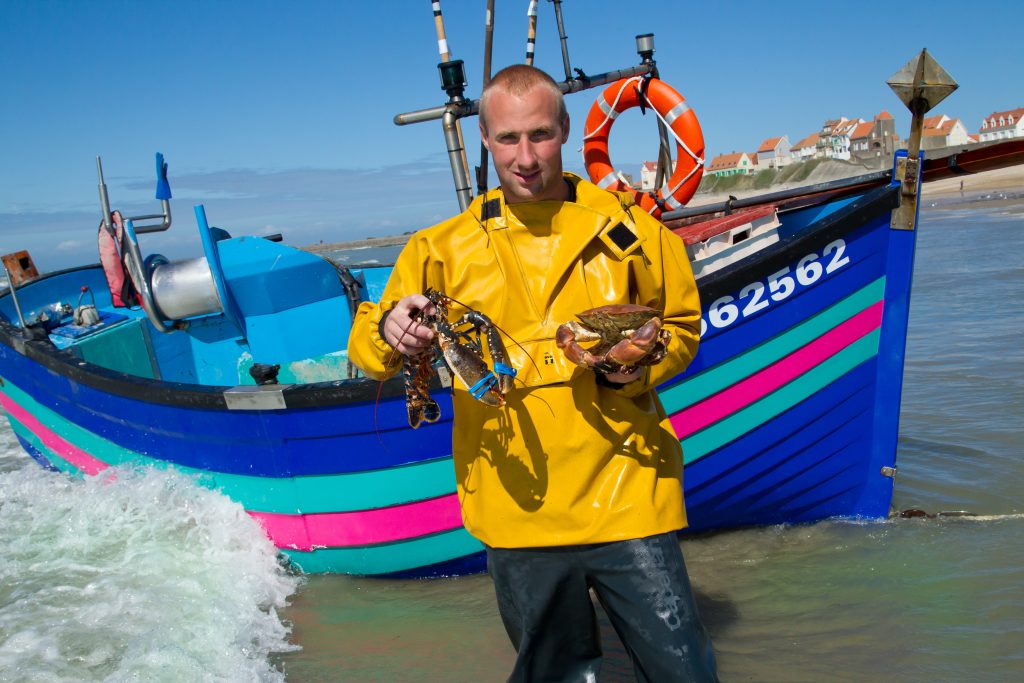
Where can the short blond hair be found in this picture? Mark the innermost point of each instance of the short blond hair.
(518, 80)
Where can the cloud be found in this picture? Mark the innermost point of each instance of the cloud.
(301, 184)
(304, 205)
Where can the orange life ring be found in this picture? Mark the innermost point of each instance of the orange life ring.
(675, 112)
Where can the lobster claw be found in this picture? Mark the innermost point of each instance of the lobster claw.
(418, 402)
(427, 411)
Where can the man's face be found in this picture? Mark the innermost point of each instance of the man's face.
(525, 136)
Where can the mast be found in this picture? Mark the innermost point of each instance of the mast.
(531, 32)
(564, 40)
(481, 170)
(920, 84)
(453, 81)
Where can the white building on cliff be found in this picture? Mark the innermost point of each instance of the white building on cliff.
(1001, 125)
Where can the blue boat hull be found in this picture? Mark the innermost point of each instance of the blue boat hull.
(789, 413)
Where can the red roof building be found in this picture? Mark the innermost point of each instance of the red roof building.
(735, 163)
(1001, 125)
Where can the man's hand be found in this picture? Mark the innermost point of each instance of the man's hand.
(400, 328)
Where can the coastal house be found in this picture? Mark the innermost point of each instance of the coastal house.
(1001, 125)
(774, 153)
(834, 137)
(735, 163)
(942, 131)
(860, 139)
(805, 148)
(648, 172)
(876, 140)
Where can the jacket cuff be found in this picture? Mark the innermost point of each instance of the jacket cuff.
(380, 326)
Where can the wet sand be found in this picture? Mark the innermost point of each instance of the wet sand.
(1006, 180)
(999, 189)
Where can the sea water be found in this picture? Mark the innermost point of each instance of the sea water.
(147, 577)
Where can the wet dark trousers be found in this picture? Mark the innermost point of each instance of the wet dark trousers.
(544, 600)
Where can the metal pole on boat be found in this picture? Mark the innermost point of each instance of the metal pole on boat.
(481, 170)
(163, 193)
(457, 158)
(531, 32)
(564, 39)
(450, 123)
(104, 197)
(645, 48)
(920, 84)
(472, 107)
(14, 297)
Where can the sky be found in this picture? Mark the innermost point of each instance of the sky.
(277, 116)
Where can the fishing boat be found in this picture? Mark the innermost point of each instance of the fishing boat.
(231, 366)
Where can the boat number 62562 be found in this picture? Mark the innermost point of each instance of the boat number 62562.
(726, 310)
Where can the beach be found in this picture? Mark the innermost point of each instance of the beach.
(943, 193)
(1001, 180)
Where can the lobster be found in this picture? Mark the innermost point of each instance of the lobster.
(460, 344)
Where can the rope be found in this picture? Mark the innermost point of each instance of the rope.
(608, 116)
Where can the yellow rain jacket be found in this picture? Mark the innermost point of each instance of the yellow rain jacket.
(567, 460)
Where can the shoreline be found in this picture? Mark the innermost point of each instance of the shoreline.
(1002, 180)
(1002, 187)
(984, 186)
(369, 242)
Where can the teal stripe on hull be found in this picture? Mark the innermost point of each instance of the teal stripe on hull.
(779, 401)
(695, 389)
(37, 443)
(365, 560)
(312, 494)
(388, 558)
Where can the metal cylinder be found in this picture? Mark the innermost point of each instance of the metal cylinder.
(645, 44)
(184, 289)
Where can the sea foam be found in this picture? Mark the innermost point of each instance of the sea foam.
(133, 575)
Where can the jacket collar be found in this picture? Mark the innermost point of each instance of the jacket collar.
(491, 205)
(595, 215)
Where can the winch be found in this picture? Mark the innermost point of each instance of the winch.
(86, 315)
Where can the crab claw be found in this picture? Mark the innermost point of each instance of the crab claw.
(637, 345)
(567, 338)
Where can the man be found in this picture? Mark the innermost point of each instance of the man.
(576, 483)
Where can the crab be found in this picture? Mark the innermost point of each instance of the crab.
(627, 336)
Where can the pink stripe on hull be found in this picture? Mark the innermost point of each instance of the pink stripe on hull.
(66, 450)
(363, 527)
(762, 383)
